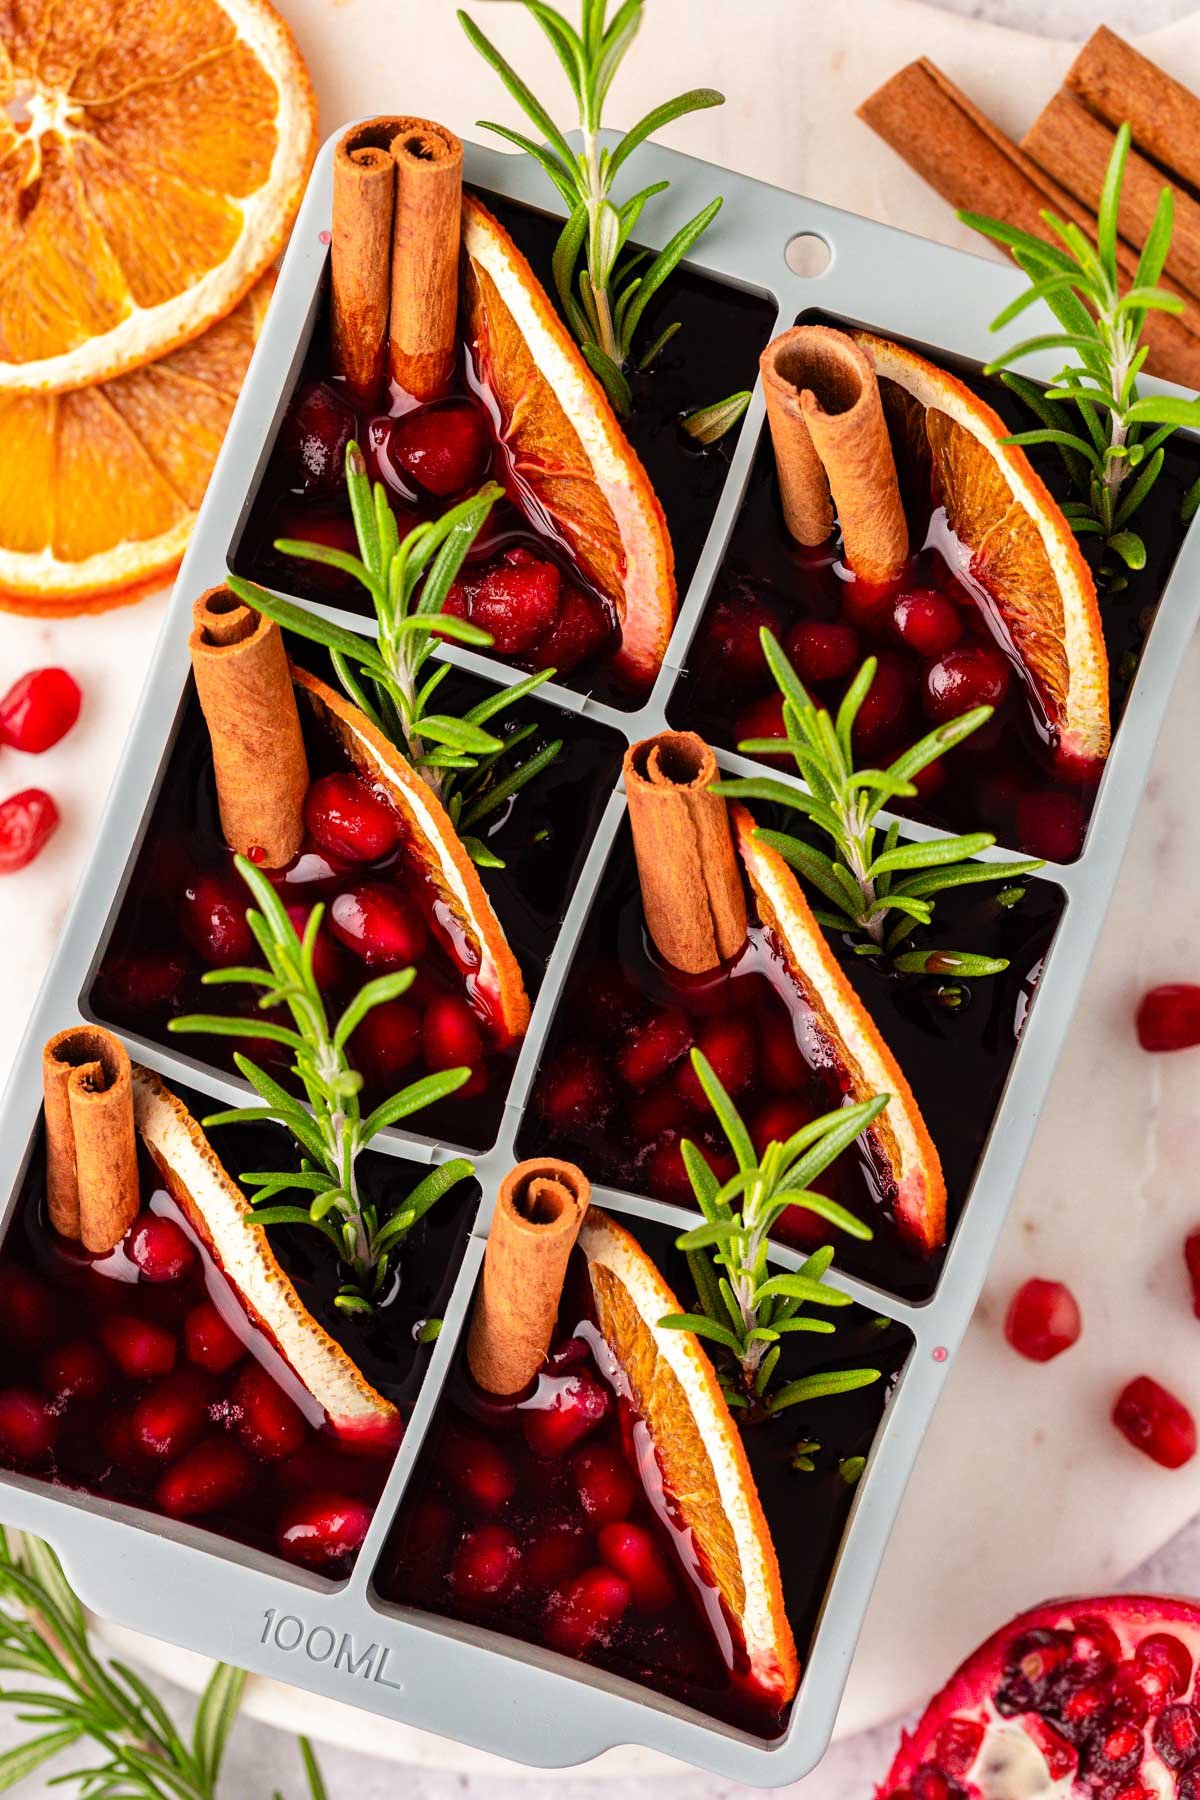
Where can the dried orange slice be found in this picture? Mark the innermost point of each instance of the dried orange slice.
(699, 1448)
(219, 1212)
(99, 488)
(1014, 543)
(496, 983)
(571, 462)
(152, 158)
(899, 1137)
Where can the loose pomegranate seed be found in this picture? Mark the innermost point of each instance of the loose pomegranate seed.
(206, 1479)
(329, 963)
(214, 921)
(563, 1411)
(450, 1036)
(656, 1045)
(39, 709)
(209, 1341)
(780, 1058)
(486, 1564)
(481, 1474)
(516, 603)
(882, 714)
(172, 1416)
(1191, 1254)
(927, 622)
(445, 447)
(1155, 1422)
(763, 719)
(323, 1530)
(78, 1371)
(314, 437)
(270, 1424)
(776, 1120)
(979, 676)
(138, 1347)
(574, 1090)
(1042, 1320)
(733, 642)
(729, 1046)
(27, 821)
(607, 1486)
(581, 629)
(349, 820)
(585, 1613)
(1050, 825)
(821, 651)
(560, 1552)
(159, 1247)
(143, 981)
(631, 1551)
(378, 925)
(28, 1428)
(387, 1042)
(27, 1308)
(1168, 1017)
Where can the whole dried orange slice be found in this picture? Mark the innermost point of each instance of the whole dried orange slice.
(99, 488)
(571, 464)
(1014, 543)
(496, 981)
(899, 1138)
(152, 158)
(699, 1449)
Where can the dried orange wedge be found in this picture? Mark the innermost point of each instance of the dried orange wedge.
(899, 1137)
(152, 158)
(1014, 542)
(219, 1213)
(570, 461)
(99, 488)
(496, 982)
(699, 1449)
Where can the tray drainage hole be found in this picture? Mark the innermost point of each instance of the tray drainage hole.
(807, 255)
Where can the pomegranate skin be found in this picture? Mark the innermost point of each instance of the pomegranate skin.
(1168, 1017)
(1154, 1421)
(1043, 1320)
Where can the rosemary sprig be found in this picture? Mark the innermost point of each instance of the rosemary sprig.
(1110, 438)
(744, 1309)
(866, 880)
(469, 768)
(73, 1696)
(708, 424)
(331, 1131)
(603, 302)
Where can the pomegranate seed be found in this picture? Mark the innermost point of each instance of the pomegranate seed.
(39, 709)
(78, 1371)
(656, 1045)
(1155, 1422)
(1116, 1754)
(1170, 1660)
(882, 713)
(957, 1745)
(516, 604)
(314, 438)
(780, 1058)
(822, 652)
(138, 1347)
(763, 719)
(172, 1416)
(733, 643)
(160, 1248)
(631, 1551)
(978, 676)
(445, 448)
(1177, 1735)
(209, 1341)
(1082, 1706)
(143, 982)
(214, 921)
(206, 1479)
(323, 1531)
(1188, 1788)
(607, 1485)
(574, 1090)
(377, 925)
(581, 630)
(1095, 1646)
(930, 1784)
(479, 1471)
(329, 964)
(348, 819)
(387, 1041)
(270, 1424)
(450, 1034)
(27, 821)
(776, 1120)
(560, 1552)
(1050, 825)
(27, 1308)
(1060, 1757)
(486, 1564)
(729, 1046)
(1032, 1662)
(28, 1428)
(927, 622)
(1042, 1320)
(585, 1612)
(563, 1411)
(1168, 1017)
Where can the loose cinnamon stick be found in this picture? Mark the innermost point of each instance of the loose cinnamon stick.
(364, 191)
(92, 1189)
(691, 884)
(971, 163)
(830, 437)
(425, 247)
(539, 1210)
(1073, 146)
(1119, 83)
(246, 692)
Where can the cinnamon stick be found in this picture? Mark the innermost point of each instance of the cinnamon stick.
(364, 191)
(92, 1187)
(1073, 146)
(539, 1211)
(246, 693)
(1119, 83)
(425, 246)
(830, 438)
(971, 163)
(691, 884)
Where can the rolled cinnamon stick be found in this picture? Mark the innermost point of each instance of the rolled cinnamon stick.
(249, 704)
(425, 245)
(364, 191)
(830, 437)
(539, 1210)
(692, 890)
(1119, 83)
(92, 1188)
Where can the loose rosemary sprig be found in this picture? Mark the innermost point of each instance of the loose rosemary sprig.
(78, 1696)
(605, 302)
(1116, 458)
(333, 1133)
(469, 768)
(866, 880)
(744, 1308)
(708, 424)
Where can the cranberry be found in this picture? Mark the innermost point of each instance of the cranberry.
(563, 1411)
(387, 1042)
(214, 921)
(881, 716)
(574, 1090)
(1168, 1017)
(580, 631)
(378, 925)
(427, 1531)
(171, 1417)
(927, 622)
(312, 868)
(27, 1308)
(486, 1564)
(763, 719)
(776, 1121)
(658, 1111)
(323, 1530)
(978, 676)
(27, 821)
(1156, 1422)
(822, 652)
(206, 1479)
(632, 1552)
(656, 1044)
(137, 1346)
(611, 998)
(729, 1046)
(560, 1552)
(733, 643)
(28, 1428)
(39, 709)
(1050, 825)
(445, 448)
(78, 1371)
(780, 1058)
(335, 531)
(479, 1471)
(665, 1171)
(585, 1612)
(270, 1424)
(160, 1248)
(329, 964)
(314, 437)
(143, 981)
(450, 1034)
(346, 817)
(607, 1486)
(209, 1341)
(867, 603)
(930, 780)
(1042, 1320)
